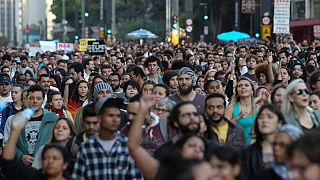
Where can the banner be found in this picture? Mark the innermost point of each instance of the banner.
(83, 43)
(281, 17)
(96, 47)
(67, 47)
(48, 46)
(33, 51)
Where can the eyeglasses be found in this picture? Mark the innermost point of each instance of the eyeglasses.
(300, 91)
(162, 110)
(189, 114)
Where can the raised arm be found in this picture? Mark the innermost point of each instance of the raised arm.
(145, 162)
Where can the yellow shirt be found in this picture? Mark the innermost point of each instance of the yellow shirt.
(222, 133)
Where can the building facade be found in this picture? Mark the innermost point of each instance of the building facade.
(305, 14)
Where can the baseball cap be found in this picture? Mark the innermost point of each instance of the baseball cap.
(5, 79)
(105, 102)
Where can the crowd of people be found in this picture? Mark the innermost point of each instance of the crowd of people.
(196, 111)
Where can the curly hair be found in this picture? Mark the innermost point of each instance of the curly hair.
(263, 69)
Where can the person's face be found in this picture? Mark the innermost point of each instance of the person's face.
(268, 122)
(173, 83)
(45, 83)
(97, 81)
(200, 82)
(229, 57)
(62, 131)
(251, 63)
(299, 97)
(217, 66)
(244, 88)
(185, 84)
(147, 89)
(314, 102)
(91, 125)
(215, 110)
(223, 169)
(131, 91)
(213, 87)
(159, 93)
(56, 101)
(242, 52)
(103, 93)
(162, 111)
(132, 110)
(302, 168)
(278, 95)
(114, 82)
(188, 118)
(312, 63)
(125, 78)
(83, 89)
(91, 65)
(35, 100)
(283, 59)
(6, 71)
(16, 93)
(7, 63)
(53, 163)
(192, 60)
(281, 142)
(106, 72)
(225, 65)
(62, 65)
(73, 75)
(260, 56)
(193, 148)
(262, 78)
(110, 119)
(297, 71)
(4, 88)
(153, 67)
(118, 64)
(211, 75)
(284, 75)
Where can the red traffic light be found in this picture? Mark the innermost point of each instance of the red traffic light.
(27, 31)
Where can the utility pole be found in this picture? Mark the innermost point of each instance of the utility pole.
(189, 18)
(168, 17)
(101, 29)
(83, 22)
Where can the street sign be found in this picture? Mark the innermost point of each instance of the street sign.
(84, 43)
(265, 31)
(266, 20)
(248, 6)
(316, 31)
(96, 47)
(281, 17)
(189, 22)
(175, 37)
(189, 28)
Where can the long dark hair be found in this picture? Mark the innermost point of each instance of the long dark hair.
(75, 94)
(273, 109)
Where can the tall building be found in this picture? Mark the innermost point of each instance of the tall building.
(8, 20)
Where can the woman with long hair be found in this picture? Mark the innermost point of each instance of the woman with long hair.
(62, 132)
(79, 96)
(55, 104)
(242, 109)
(295, 106)
(259, 155)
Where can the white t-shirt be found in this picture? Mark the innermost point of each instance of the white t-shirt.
(106, 144)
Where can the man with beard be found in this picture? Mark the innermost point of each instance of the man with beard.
(219, 128)
(186, 79)
(88, 66)
(119, 66)
(44, 81)
(114, 81)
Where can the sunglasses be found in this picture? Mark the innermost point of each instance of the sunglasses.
(189, 114)
(300, 91)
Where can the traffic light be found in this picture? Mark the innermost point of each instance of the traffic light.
(175, 22)
(27, 31)
(257, 35)
(76, 37)
(109, 31)
(205, 17)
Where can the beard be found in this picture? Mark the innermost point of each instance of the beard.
(115, 87)
(185, 90)
(186, 130)
(216, 121)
